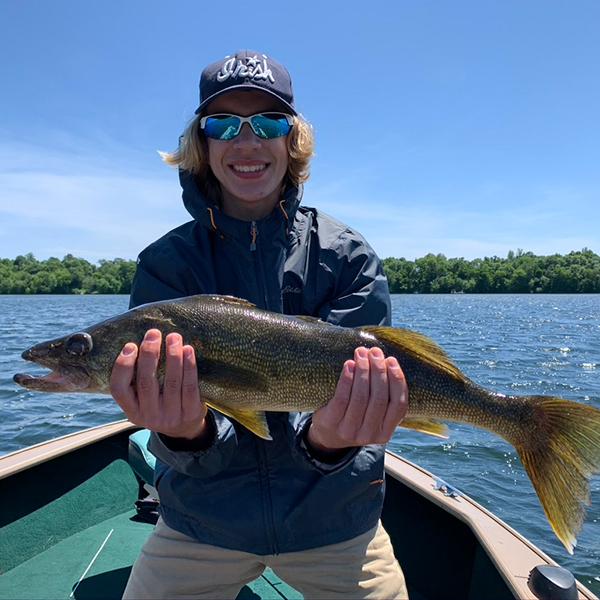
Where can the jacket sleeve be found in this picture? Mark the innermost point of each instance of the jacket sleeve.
(301, 423)
(147, 286)
(361, 298)
(202, 463)
(361, 294)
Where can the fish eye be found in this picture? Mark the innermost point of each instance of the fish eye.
(79, 344)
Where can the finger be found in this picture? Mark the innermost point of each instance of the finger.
(359, 397)
(333, 412)
(171, 392)
(147, 387)
(191, 403)
(398, 404)
(378, 397)
(120, 381)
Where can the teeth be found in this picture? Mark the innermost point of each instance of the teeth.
(249, 168)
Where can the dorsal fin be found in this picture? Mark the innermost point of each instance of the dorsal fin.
(313, 320)
(309, 319)
(419, 346)
(232, 300)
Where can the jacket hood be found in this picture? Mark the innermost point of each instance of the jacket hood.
(209, 214)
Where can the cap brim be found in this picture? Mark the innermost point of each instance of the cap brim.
(244, 86)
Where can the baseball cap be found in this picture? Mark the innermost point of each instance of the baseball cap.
(246, 69)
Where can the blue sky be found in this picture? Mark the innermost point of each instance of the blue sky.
(462, 128)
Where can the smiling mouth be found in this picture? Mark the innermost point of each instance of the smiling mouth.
(255, 170)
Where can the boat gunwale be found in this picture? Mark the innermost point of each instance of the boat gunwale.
(31, 456)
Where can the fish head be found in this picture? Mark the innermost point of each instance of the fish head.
(81, 361)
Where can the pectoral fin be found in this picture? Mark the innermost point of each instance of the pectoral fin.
(255, 421)
(427, 426)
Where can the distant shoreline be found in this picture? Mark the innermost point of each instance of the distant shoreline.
(577, 272)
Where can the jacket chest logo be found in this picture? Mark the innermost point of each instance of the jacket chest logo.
(288, 289)
(250, 67)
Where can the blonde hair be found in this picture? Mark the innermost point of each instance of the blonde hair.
(192, 154)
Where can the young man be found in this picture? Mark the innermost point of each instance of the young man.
(307, 504)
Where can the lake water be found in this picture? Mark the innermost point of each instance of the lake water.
(514, 344)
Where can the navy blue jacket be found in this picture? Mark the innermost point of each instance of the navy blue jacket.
(243, 492)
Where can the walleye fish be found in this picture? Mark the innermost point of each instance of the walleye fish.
(251, 361)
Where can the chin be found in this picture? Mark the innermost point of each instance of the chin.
(248, 195)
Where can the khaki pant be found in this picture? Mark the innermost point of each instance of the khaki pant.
(172, 565)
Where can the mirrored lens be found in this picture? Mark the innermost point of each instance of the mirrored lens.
(224, 127)
(270, 126)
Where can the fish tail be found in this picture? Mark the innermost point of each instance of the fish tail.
(560, 449)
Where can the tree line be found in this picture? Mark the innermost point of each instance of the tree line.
(519, 272)
(71, 275)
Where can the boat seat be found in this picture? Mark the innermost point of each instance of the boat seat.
(140, 458)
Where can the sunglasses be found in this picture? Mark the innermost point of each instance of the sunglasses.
(265, 125)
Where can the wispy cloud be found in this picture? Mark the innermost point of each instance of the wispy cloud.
(54, 201)
(484, 220)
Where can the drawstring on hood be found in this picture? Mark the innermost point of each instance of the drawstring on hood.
(212, 217)
(281, 203)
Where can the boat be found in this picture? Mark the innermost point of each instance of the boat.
(77, 509)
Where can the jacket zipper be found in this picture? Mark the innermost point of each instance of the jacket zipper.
(253, 235)
(262, 453)
(263, 463)
(259, 270)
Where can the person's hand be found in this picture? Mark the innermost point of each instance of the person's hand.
(370, 400)
(177, 411)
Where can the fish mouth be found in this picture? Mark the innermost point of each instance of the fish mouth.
(53, 381)
(72, 379)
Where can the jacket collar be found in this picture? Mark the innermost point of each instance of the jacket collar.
(210, 215)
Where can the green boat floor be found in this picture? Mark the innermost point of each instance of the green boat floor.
(96, 562)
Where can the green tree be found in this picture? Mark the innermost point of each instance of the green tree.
(520, 271)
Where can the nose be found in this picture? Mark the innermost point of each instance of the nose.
(247, 137)
(37, 351)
